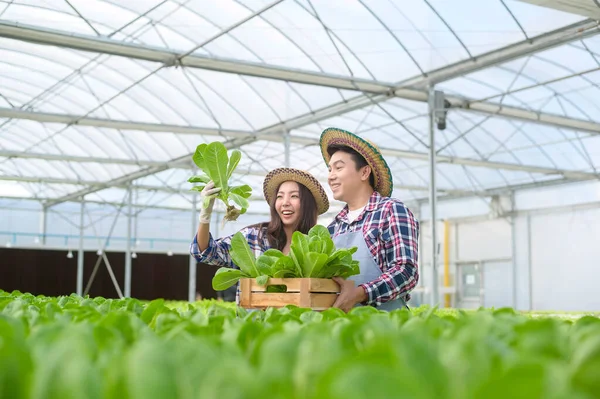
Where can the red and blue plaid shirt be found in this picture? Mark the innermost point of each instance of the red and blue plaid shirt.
(391, 233)
(217, 252)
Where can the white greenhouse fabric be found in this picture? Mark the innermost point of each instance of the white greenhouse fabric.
(138, 121)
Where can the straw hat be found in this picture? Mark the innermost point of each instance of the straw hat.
(384, 183)
(277, 176)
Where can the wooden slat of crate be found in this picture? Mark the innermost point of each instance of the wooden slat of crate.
(317, 301)
(318, 294)
(298, 284)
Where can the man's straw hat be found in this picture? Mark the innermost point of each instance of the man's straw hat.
(384, 183)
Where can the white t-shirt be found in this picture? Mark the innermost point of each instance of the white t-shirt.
(352, 215)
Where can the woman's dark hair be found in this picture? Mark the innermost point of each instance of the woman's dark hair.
(274, 228)
(358, 159)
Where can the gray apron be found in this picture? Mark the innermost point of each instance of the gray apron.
(369, 270)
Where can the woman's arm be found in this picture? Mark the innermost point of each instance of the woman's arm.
(203, 235)
(217, 251)
(207, 196)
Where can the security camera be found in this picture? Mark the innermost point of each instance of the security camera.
(440, 107)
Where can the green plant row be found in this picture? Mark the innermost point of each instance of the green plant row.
(73, 347)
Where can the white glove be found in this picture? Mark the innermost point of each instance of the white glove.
(207, 196)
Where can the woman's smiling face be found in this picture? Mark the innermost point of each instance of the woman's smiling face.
(287, 203)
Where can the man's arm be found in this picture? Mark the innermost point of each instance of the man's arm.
(399, 233)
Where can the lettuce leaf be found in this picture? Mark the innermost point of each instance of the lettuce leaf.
(242, 255)
(225, 277)
(236, 155)
(217, 166)
(203, 178)
(215, 158)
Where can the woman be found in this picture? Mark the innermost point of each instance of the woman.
(295, 199)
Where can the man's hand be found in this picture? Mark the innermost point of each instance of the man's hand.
(349, 295)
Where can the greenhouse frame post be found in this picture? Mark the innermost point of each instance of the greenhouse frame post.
(43, 224)
(286, 147)
(513, 234)
(127, 288)
(79, 289)
(193, 263)
(134, 238)
(529, 265)
(433, 197)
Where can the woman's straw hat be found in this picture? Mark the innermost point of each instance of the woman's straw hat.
(384, 183)
(277, 176)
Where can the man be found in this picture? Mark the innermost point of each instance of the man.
(384, 229)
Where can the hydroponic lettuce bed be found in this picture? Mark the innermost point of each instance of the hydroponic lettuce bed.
(71, 347)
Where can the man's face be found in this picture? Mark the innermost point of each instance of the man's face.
(344, 179)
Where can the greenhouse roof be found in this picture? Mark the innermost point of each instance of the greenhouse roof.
(97, 95)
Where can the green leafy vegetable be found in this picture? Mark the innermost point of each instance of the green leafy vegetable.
(217, 166)
(225, 277)
(199, 179)
(242, 255)
(75, 347)
(311, 255)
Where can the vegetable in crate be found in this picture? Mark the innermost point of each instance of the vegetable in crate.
(311, 255)
(217, 166)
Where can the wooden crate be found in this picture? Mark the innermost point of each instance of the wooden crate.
(315, 293)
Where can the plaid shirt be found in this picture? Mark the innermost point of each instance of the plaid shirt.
(217, 252)
(391, 233)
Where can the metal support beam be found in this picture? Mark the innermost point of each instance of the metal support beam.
(127, 281)
(77, 158)
(112, 161)
(91, 183)
(80, 120)
(566, 174)
(433, 199)
(412, 89)
(539, 118)
(101, 185)
(39, 35)
(193, 264)
(272, 133)
(586, 8)
(54, 180)
(124, 180)
(79, 288)
(503, 111)
(136, 206)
